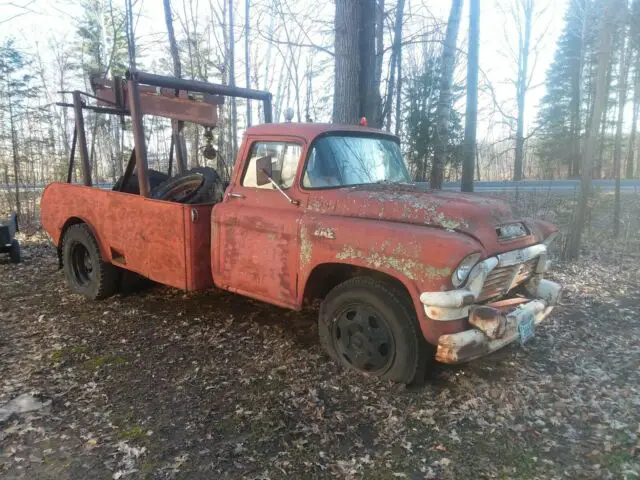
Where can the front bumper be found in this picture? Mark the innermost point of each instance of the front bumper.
(493, 325)
(494, 333)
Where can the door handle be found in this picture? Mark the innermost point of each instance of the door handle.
(236, 195)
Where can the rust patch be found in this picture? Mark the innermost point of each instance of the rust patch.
(410, 268)
(491, 321)
(449, 223)
(306, 247)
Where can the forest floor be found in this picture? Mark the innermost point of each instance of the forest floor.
(163, 384)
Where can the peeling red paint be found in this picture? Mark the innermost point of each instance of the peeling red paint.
(258, 243)
(157, 239)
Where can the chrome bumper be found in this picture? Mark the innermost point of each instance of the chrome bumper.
(455, 304)
(492, 328)
(491, 334)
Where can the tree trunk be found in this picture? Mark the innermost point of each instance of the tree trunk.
(572, 247)
(399, 96)
(131, 41)
(443, 113)
(395, 50)
(471, 120)
(232, 82)
(356, 80)
(597, 171)
(14, 150)
(378, 57)
(247, 71)
(617, 149)
(369, 83)
(576, 98)
(634, 121)
(346, 100)
(522, 85)
(177, 126)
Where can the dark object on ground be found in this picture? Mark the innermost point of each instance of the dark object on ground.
(132, 186)
(8, 244)
(198, 185)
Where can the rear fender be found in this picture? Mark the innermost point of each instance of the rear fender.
(57, 217)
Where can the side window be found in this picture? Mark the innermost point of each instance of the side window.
(284, 161)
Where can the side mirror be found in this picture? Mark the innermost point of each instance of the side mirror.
(264, 170)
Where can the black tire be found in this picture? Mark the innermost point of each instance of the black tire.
(14, 252)
(132, 186)
(198, 185)
(395, 325)
(86, 272)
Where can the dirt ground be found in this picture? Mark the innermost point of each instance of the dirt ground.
(162, 384)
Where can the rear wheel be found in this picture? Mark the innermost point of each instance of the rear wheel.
(86, 272)
(367, 325)
(14, 252)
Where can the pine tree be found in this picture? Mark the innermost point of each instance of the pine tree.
(421, 122)
(560, 113)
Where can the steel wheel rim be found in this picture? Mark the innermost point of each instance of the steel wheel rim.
(363, 338)
(81, 264)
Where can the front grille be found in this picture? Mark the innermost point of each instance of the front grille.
(501, 279)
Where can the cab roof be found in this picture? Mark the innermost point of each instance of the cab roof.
(309, 131)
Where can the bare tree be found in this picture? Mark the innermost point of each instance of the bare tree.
(634, 120)
(576, 91)
(572, 247)
(471, 118)
(622, 100)
(524, 43)
(247, 69)
(20, 8)
(356, 81)
(347, 68)
(445, 100)
(14, 149)
(177, 125)
(369, 74)
(232, 81)
(131, 41)
(393, 64)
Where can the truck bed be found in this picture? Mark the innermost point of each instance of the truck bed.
(167, 242)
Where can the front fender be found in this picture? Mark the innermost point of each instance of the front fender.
(422, 258)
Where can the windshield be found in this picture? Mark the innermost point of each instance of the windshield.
(338, 161)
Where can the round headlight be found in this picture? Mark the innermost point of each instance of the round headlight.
(464, 269)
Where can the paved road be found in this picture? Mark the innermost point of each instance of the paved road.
(493, 186)
(550, 185)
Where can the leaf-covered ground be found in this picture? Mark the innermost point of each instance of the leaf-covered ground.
(162, 384)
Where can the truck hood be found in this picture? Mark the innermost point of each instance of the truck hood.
(472, 214)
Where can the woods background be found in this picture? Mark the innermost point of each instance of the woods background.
(401, 63)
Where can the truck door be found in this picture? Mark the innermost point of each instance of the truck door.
(255, 239)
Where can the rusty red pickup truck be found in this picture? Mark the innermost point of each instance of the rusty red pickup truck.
(312, 212)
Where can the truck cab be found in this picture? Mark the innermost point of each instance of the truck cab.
(327, 213)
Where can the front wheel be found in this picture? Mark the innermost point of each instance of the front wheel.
(367, 325)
